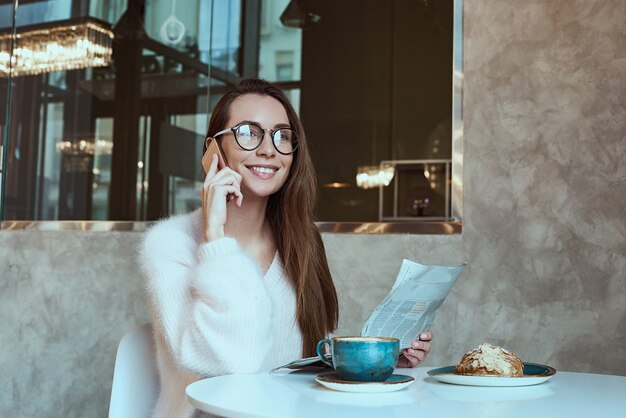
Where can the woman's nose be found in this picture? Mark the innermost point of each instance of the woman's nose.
(267, 144)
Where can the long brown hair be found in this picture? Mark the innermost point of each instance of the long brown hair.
(290, 214)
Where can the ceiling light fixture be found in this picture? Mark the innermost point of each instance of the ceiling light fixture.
(299, 14)
(368, 177)
(56, 46)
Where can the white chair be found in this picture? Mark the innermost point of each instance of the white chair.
(135, 378)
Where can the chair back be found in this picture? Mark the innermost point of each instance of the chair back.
(135, 378)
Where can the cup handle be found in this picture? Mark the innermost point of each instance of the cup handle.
(320, 351)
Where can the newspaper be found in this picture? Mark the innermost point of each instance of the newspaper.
(408, 309)
(410, 306)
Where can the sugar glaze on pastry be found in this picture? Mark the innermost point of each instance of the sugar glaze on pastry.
(490, 360)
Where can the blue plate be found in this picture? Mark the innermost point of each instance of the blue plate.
(533, 375)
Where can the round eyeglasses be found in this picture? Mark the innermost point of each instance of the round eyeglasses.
(250, 135)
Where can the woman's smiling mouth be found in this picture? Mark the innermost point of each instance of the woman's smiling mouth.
(263, 171)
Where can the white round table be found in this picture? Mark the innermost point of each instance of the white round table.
(297, 394)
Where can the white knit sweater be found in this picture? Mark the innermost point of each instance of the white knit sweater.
(214, 312)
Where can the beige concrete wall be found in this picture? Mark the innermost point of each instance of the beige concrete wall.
(65, 301)
(68, 297)
(545, 182)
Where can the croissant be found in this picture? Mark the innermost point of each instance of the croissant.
(490, 360)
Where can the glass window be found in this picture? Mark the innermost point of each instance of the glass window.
(284, 65)
(36, 12)
(280, 47)
(107, 10)
(102, 167)
(225, 40)
(123, 141)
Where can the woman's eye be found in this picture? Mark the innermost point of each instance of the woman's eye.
(254, 133)
(282, 136)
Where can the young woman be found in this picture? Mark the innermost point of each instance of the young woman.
(242, 284)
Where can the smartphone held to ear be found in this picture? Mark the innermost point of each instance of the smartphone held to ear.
(213, 149)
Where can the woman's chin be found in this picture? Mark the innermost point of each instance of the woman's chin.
(261, 188)
(259, 192)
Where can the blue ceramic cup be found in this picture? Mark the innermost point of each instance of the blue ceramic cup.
(361, 359)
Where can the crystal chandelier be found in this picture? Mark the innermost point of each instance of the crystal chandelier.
(368, 177)
(56, 46)
(85, 146)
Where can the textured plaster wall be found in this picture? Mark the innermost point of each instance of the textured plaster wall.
(66, 299)
(545, 182)
(544, 226)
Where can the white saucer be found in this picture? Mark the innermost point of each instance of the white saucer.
(533, 375)
(393, 383)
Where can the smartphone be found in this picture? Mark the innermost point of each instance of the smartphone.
(207, 158)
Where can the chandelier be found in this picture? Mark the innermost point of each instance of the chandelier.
(88, 146)
(368, 177)
(56, 46)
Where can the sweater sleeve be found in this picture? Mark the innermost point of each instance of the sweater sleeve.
(208, 302)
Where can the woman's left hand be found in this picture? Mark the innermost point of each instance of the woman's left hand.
(420, 347)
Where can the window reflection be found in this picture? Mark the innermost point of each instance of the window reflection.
(123, 142)
(37, 12)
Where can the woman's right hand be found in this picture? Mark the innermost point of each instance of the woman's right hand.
(219, 188)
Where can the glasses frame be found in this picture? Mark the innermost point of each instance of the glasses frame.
(235, 130)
